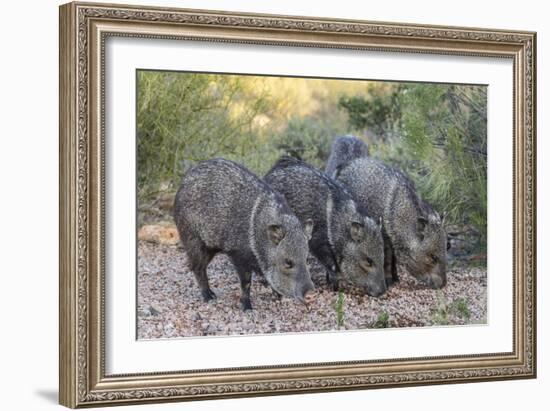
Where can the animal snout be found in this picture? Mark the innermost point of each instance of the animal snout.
(306, 293)
(376, 290)
(436, 281)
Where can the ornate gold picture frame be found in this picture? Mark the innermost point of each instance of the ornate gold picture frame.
(84, 29)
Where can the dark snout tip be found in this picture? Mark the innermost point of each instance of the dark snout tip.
(376, 291)
(437, 282)
(375, 288)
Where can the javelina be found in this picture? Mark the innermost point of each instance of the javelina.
(343, 150)
(414, 234)
(345, 240)
(221, 207)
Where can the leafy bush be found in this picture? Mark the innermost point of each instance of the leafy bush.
(340, 310)
(383, 320)
(182, 119)
(379, 113)
(445, 141)
(306, 138)
(442, 313)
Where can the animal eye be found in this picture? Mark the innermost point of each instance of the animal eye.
(288, 263)
(369, 262)
(448, 245)
(434, 258)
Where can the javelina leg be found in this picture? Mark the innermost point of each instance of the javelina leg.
(261, 278)
(199, 258)
(332, 281)
(245, 276)
(390, 270)
(202, 279)
(324, 255)
(245, 290)
(394, 276)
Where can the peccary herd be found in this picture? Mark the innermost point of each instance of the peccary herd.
(360, 218)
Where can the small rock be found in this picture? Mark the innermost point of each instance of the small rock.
(154, 310)
(161, 234)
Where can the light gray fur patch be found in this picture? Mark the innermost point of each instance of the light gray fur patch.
(389, 197)
(251, 231)
(351, 206)
(434, 218)
(329, 207)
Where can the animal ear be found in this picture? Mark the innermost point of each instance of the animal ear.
(275, 233)
(308, 228)
(422, 223)
(356, 231)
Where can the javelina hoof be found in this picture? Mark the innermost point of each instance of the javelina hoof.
(391, 281)
(246, 305)
(208, 295)
(262, 280)
(332, 281)
(276, 295)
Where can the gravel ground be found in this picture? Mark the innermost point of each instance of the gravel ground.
(170, 304)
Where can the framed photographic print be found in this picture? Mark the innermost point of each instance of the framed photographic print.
(259, 204)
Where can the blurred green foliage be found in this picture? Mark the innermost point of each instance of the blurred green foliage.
(379, 113)
(183, 119)
(382, 321)
(436, 133)
(340, 309)
(445, 309)
(306, 138)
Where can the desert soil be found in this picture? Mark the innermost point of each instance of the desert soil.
(170, 303)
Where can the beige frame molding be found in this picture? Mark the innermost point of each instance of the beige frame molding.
(83, 30)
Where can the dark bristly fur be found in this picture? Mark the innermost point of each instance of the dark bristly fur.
(414, 233)
(344, 239)
(222, 207)
(343, 150)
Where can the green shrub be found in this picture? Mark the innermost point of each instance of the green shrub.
(339, 307)
(462, 308)
(379, 112)
(383, 320)
(183, 118)
(445, 309)
(306, 138)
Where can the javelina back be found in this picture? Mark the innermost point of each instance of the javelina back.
(345, 240)
(343, 150)
(414, 234)
(221, 207)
